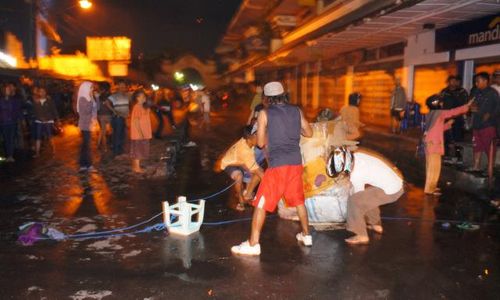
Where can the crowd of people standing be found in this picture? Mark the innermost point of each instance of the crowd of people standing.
(30, 113)
(120, 112)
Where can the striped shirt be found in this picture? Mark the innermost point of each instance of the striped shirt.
(120, 103)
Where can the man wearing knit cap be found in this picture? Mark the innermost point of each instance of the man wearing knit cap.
(279, 128)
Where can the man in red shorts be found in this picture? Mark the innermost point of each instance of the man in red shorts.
(483, 117)
(279, 128)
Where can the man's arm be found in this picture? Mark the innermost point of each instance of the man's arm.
(306, 129)
(261, 128)
(109, 104)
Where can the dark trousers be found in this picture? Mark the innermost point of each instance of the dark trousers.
(85, 159)
(454, 135)
(170, 118)
(9, 133)
(118, 137)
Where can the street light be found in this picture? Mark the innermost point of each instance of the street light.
(179, 76)
(85, 4)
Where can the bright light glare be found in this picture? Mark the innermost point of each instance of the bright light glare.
(85, 4)
(155, 87)
(10, 60)
(179, 76)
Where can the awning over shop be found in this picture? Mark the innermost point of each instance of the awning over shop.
(383, 28)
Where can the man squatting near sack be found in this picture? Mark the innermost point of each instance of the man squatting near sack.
(385, 185)
(279, 127)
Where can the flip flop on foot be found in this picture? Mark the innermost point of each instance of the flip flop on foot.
(357, 240)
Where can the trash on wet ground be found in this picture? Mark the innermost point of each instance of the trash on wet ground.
(132, 253)
(31, 232)
(446, 225)
(84, 294)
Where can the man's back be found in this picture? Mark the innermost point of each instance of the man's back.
(284, 127)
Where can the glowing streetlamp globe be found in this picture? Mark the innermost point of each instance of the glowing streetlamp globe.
(85, 4)
(179, 76)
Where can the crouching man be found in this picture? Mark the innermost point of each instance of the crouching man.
(375, 182)
(240, 164)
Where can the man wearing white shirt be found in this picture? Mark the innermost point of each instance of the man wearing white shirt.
(205, 107)
(385, 185)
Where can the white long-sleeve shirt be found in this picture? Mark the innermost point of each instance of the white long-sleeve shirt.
(369, 169)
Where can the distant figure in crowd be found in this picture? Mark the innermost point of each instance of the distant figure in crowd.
(256, 89)
(454, 96)
(46, 115)
(438, 121)
(104, 114)
(398, 102)
(279, 128)
(350, 115)
(140, 130)
(164, 107)
(10, 115)
(86, 107)
(483, 117)
(119, 104)
(376, 182)
(496, 86)
(412, 116)
(240, 163)
(205, 107)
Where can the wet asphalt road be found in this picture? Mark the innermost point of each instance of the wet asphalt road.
(416, 258)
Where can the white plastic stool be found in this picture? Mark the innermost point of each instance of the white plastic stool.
(184, 212)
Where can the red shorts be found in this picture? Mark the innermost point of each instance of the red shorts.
(482, 138)
(280, 182)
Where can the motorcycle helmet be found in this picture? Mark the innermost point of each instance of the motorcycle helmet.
(341, 160)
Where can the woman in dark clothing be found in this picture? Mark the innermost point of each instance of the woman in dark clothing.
(104, 114)
(46, 115)
(164, 107)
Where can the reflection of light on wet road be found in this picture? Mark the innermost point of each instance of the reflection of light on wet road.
(90, 188)
(101, 194)
(418, 205)
(71, 206)
(70, 130)
(183, 247)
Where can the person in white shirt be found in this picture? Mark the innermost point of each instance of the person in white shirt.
(375, 182)
(119, 103)
(205, 107)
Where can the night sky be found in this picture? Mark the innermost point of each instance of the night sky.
(155, 26)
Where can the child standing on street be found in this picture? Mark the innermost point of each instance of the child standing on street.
(140, 130)
(437, 122)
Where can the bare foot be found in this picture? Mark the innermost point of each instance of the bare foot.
(358, 240)
(376, 228)
(240, 207)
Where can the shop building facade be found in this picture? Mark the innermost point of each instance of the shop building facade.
(419, 42)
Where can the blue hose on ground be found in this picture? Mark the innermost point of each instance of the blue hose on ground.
(215, 194)
(83, 235)
(161, 226)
